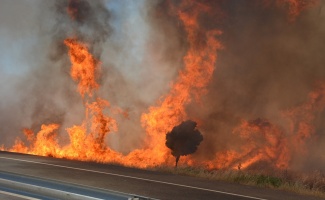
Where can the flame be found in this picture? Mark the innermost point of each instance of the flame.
(44, 143)
(84, 67)
(87, 141)
(72, 11)
(199, 65)
(101, 124)
(87, 147)
(302, 118)
(264, 141)
(261, 139)
(293, 7)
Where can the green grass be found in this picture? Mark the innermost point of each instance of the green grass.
(307, 184)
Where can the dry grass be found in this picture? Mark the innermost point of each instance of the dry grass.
(302, 183)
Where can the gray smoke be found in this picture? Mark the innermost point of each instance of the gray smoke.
(35, 68)
(86, 20)
(268, 65)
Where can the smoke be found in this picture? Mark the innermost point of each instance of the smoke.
(19, 25)
(36, 70)
(270, 64)
(85, 20)
(184, 139)
(78, 10)
(144, 53)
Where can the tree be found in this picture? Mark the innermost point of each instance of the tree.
(183, 139)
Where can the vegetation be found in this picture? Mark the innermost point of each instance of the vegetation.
(308, 184)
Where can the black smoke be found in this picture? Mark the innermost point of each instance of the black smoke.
(268, 65)
(78, 10)
(44, 92)
(86, 20)
(184, 139)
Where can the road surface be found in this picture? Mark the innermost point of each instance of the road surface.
(127, 181)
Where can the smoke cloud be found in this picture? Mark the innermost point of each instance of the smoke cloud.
(270, 68)
(36, 70)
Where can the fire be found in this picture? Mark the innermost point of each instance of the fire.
(271, 146)
(297, 6)
(44, 143)
(302, 118)
(199, 65)
(87, 147)
(264, 141)
(72, 10)
(84, 67)
(87, 141)
(100, 124)
(261, 139)
(294, 7)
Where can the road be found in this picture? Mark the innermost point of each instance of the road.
(150, 184)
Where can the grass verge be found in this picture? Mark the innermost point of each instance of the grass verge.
(306, 184)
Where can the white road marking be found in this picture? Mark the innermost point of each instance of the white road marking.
(137, 178)
(44, 190)
(18, 195)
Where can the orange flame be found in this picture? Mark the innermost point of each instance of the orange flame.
(101, 124)
(263, 141)
(294, 7)
(84, 67)
(88, 141)
(44, 143)
(297, 6)
(199, 64)
(302, 118)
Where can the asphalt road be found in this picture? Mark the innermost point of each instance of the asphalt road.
(151, 184)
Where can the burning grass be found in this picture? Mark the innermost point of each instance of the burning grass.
(258, 138)
(306, 184)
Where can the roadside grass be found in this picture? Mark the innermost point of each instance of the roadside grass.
(307, 184)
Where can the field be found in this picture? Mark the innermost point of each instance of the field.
(312, 183)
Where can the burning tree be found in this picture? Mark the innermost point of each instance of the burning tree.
(183, 139)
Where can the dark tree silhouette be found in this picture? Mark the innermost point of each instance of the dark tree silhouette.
(183, 139)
